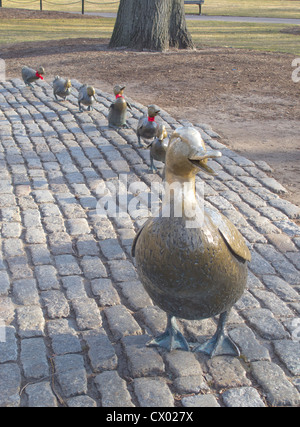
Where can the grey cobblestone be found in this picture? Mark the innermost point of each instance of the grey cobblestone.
(227, 372)
(25, 292)
(63, 337)
(77, 318)
(33, 358)
(93, 267)
(244, 397)
(40, 395)
(31, 321)
(269, 376)
(249, 345)
(56, 304)
(153, 393)
(267, 326)
(71, 374)
(87, 313)
(113, 390)
(67, 265)
(4, 283)
(121, 322)
(10, 384)
(101, 352)
(105, 290)
(200, 401)
(143, 361)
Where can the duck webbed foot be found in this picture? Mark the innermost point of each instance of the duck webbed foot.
(140, 145)
(220, 343)
(152, 168)
(171, 339)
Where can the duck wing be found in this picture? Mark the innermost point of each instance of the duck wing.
(230, 235)
(141, 123)
(58, 84)
(82, 92)
(27, 73)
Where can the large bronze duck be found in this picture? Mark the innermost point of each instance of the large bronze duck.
(30, 75)
(147, 126)
(118, 109)
(193, 266)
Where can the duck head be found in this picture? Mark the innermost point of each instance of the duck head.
(90, 91)
(161, 132)
(41, 70)
(68, 84)
(153, 110)
(119, 89)
(187, 154)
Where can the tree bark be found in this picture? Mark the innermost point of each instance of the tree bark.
(151, 25)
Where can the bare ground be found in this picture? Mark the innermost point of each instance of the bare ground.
(247, 97)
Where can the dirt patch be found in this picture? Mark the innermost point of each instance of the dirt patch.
(248, 97)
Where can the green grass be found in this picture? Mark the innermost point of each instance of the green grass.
(16, 31)
(263, 37)
(261, 8)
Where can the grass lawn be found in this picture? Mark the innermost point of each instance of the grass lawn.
(264, 37)
(21, 30)
(262, 8)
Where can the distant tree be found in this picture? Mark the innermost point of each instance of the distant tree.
(151, 24)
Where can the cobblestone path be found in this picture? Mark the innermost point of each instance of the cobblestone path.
(74, 318)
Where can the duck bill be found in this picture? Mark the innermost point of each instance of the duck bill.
(201, 161)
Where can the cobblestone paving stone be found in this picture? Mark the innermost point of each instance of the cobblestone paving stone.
(74, 318)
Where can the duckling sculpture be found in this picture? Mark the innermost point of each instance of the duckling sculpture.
(191, 270)
(61, 87)
(118, 109)
(30, 75)
(86, 96)
(158, 147)
(147, 126)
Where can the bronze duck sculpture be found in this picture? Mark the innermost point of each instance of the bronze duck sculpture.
(118, 109)
(191, 270)
(86, 96)
(158, 147)
(61, 87)
(147, 126)
(30, 75)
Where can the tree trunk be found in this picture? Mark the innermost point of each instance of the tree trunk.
(151, 25)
